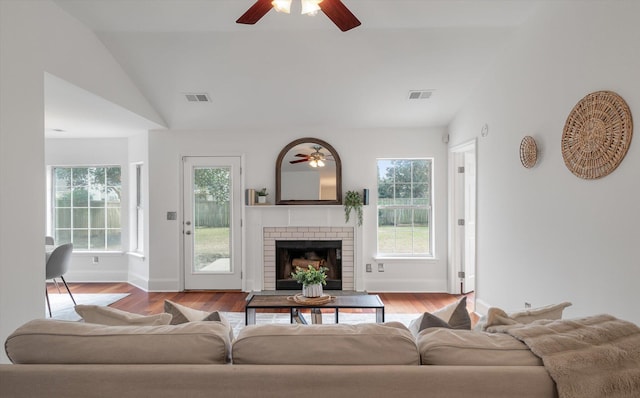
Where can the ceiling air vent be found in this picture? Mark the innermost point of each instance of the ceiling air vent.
(420, 94)
(197, 97)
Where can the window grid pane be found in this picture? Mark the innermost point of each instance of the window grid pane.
(404, 207)
(86, 209)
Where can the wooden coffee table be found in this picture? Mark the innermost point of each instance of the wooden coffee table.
(360, 301)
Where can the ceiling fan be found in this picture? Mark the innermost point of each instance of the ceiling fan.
(334, 9)
(315, 159)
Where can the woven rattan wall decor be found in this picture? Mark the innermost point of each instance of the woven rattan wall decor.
(597, 135)
(528, 152)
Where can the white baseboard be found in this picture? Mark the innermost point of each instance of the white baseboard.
(482, 307)
(82, 276)
(139, 282)
(405, 286)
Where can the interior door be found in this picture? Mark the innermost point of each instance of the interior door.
(463, 254)
(212, 223)
(469, 263)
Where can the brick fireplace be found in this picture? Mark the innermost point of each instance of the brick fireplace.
(345, 235)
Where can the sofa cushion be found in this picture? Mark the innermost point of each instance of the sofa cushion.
(183, 314)
(453, 316)
(467, 347)
(498, 317)
(330, 344)
(47, 341)
(112, 316)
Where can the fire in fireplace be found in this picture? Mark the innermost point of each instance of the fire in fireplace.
(302, 253)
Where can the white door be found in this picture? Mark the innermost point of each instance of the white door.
(212, 223)
(469, 263)
(463, 253)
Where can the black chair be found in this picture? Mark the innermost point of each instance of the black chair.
(57, 266)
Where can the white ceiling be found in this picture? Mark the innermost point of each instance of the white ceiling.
(297, 71)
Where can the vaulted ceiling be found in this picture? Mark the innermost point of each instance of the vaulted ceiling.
(293, 70)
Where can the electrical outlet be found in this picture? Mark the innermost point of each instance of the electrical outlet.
(368, 267)
(380, 267)
(527, 305)
(96, 259)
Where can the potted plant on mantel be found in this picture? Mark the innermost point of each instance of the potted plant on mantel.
(262, 195)
(312, 280)
(353, 201)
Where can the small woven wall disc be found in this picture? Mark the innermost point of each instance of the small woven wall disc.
(597, 135)
(528, 152)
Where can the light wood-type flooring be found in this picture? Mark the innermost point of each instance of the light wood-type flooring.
(142, 302)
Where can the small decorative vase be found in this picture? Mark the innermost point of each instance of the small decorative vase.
(312, 290)
(262, 199)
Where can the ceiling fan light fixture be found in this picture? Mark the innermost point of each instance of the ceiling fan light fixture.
(282, 6)
(313, 163)
(310, 7)
(320, 163)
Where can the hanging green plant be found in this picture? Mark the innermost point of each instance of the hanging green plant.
(353, 201)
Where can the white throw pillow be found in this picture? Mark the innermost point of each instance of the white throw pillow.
(183, 314)
(115, 317)
(497, 316)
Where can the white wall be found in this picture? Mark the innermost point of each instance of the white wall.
(38, 37)
(139, 262)
(111, 267)
(544, 235)
(358, 150)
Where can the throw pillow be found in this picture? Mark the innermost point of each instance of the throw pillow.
(432, 321)
(115, 317)
(498, 317)
(453, 316)
(183, 314)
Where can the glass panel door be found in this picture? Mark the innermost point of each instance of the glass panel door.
(211, 227)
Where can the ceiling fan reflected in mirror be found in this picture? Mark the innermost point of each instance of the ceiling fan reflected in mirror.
(334, 9)
(315, 159)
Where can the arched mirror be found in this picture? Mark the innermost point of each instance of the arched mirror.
(308, 172)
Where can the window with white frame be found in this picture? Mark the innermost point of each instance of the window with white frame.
(404, 207)
(86, 207)
(139, 212)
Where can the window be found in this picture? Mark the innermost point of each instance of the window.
(404, 207)
(86, 207)
(138, 232)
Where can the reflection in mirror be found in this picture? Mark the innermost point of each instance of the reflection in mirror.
(308, 171)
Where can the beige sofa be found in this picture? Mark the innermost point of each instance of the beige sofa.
(198, 359)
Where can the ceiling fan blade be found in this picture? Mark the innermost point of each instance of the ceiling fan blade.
(298, 161)
(255, 12)
(339, 14)
(301, 155)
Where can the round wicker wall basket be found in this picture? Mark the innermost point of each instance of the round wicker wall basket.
(597, 135)
(528, 152)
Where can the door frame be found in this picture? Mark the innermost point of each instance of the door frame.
(456, 245)
(181, 217)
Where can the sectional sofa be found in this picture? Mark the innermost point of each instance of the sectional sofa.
(200, 359)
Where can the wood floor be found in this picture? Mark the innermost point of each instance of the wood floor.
(142, 302)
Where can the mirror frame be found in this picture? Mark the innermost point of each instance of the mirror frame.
(338, 163)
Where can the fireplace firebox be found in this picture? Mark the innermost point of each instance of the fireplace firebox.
(318, 253)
